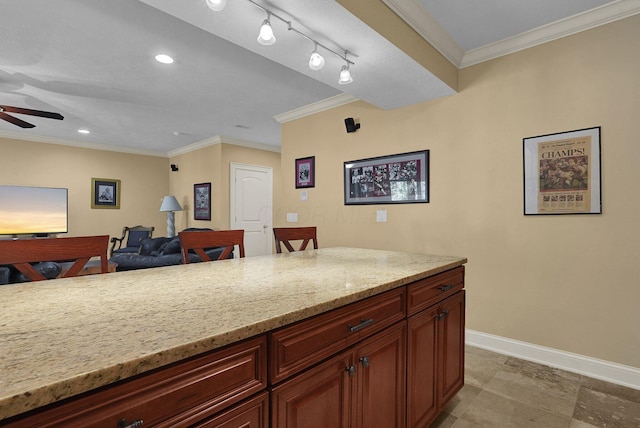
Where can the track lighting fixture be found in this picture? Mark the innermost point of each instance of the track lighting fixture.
(216, 5)
(266, 37)
(345, 75)
(316, 61)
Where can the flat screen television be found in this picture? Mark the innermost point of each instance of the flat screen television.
(33, 210)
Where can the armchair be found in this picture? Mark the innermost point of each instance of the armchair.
(134, 235)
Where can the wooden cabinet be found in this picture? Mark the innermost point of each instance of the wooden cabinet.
(361, 387)
(253, 413)
(435, 359)
(391, 360)
(179, 395)
(299, 346)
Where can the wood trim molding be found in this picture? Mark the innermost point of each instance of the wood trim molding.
(576, 363)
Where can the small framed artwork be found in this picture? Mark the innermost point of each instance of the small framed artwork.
(202, 201)
(562, 173)
(395, 179)
(105, 193)
(306, 172)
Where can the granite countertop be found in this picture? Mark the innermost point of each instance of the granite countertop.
(63, 337)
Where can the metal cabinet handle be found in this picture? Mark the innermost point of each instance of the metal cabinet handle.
(351, 370)
(444, 288)
(442, 314)
(364, 361)
(363, 324)
(122, 423)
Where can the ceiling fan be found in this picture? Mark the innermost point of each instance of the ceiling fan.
(21, 123)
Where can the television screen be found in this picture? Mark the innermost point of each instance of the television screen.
(32, 210)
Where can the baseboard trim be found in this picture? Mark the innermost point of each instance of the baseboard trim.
(576, 363)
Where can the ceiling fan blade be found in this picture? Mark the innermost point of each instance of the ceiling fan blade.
(31, 112)
(16, 121)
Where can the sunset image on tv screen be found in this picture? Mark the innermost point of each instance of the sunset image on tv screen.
(32, 210)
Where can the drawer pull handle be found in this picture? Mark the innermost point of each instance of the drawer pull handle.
(444, 288)
(363, 324)
(122, 423)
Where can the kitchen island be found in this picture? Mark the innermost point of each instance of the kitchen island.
(62, 338)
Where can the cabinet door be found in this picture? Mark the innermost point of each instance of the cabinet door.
(318, 398)
(452, 345)
(422, 361)
(381, 379)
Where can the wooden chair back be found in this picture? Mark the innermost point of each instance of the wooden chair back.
(22, 252)
(285, 234)
(198, 241)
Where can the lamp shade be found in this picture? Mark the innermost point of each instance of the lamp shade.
(216, 5)
(345, 76)
(266, 36)
(170, 203)
(316, 61)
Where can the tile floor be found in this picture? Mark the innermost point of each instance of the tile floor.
(502, 391)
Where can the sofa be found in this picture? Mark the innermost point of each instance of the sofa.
(157, 252)
(11, 275)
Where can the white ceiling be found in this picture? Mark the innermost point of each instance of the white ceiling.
(92, 61)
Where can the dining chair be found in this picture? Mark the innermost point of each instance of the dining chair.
(200, 241)
(22, 252)
(285, 234)
(134, 236)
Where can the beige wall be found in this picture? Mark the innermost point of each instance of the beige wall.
(567, 282)
(144, 179)
(212, 164)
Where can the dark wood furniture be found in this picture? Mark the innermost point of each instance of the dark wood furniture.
(22, 252)
(285, 234)
(391, 360)
(179, 395)
(134, 236)
(199, 241)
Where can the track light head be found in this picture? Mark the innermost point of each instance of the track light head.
(345, 75)
(216, 5)
(266, 36)
(316, 61)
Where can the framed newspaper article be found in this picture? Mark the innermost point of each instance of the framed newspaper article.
(395, 179)
(562, 173)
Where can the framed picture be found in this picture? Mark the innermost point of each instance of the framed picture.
(306, 172)
(202, 201)
(562, 173)
(105, 193)
(395, 179)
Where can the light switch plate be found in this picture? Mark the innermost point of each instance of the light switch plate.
(381, 216)
(292, 217)
(304, 195)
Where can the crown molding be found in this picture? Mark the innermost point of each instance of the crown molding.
(574, 24)
(219, 140)
(317, 107)
(424, 24)
(81, 144)
(411, 12)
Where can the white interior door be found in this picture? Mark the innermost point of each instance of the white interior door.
(252, 205)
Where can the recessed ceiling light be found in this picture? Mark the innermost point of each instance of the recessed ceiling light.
(165, 59)
(84, 131)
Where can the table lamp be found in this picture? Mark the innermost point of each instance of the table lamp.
(169, 205)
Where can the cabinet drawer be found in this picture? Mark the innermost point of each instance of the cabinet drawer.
(253, 413)
(301, 345)
(174, 396)
(425, 292)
